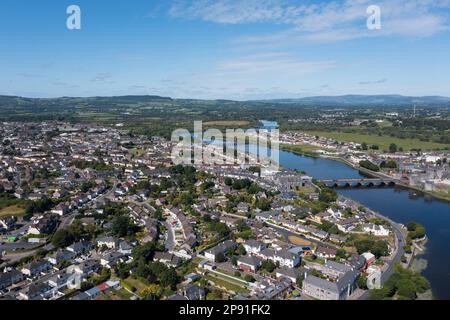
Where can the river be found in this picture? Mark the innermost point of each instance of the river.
(397, 204)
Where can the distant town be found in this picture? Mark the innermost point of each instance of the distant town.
(90, 212)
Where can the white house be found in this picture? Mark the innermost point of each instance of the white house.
(253, 247)
(109, 242)
(376, 230)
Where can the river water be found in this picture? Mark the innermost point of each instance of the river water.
(399, 205)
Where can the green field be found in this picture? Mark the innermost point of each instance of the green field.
(121, 295)
(304, 149)
(132, 282)
(230, 123)
(226, 284)
(12, 211)
(382, 141)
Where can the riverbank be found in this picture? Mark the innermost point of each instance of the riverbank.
(310, 151)
(374, 174)
(301, 150)
(398, 204)
(418, 264)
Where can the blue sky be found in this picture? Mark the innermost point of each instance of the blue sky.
(230, 49)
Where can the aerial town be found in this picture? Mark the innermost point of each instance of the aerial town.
(93, 213)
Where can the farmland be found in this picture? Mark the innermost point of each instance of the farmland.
(382, 141)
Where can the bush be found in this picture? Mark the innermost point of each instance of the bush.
(415, 230)
(221, 257)
(403, 284)
(62, 238)
(249, 278)
(362, 282)
(378, 247)
(369, 165)
(269, 266)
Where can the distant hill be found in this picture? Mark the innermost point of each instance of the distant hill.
(368, 100)
(117, 99)
(344, 100)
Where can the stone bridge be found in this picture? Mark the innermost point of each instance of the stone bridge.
(357, 183)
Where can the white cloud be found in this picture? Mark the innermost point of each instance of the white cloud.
(281, 64)
(372, 82)
(103, 77)
(230, 11)
(321, 21)
(272, 74)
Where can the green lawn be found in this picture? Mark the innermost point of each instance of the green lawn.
(305, 149)
(226, 284)
(121, 294)
(132, 282)
(12, 211)
(383, 142)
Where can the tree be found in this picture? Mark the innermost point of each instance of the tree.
(122, 270)
(186, 199)
(364, 146)
(416, 230)
(220, 257)
(62, 238)
(391, 164)
(151, 292)
(39, 206)
(85, 186)
(340, 253)
(158, 215)
(403, 284)
(362, 282)
(369, 165)
(241, 225)
(329, 227)
(219, 227)
(241, 250)
(145, 252)
(378, 294)
(300, 279)
(328, 195)
(142, 270)
(378, 247)
(169, 278)
(269, 266)
(406, 288)
(263, 204)
(228, 181)
(393, 148)
(249, 278)
(122, 226)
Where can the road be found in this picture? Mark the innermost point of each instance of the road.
(400, 237)
(170, 242)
